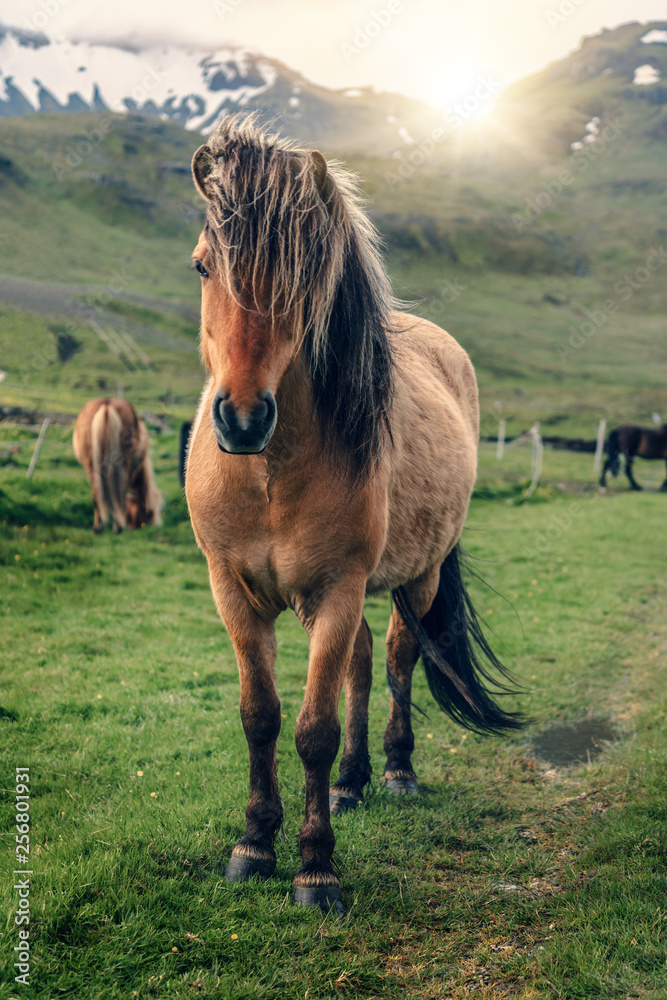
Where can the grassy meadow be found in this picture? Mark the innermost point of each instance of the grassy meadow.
(507, 877)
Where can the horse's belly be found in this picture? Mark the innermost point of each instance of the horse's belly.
(433, 461)
(423, 528)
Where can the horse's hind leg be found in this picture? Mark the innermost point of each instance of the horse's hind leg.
(255, 645)
(628, 471)
(98, 523)
(355, 765)
(402, 656)
(663, 488)
(97, 520)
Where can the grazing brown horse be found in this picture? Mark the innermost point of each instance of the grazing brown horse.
(111, 442)
(333, 455)
(629, 441)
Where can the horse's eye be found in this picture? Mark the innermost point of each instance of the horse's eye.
(200, 267)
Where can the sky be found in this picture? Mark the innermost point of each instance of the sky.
(434, 50)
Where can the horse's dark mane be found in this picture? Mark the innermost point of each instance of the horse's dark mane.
(269, 222)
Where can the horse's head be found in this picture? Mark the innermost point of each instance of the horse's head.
(245, 352)
(137, 513)
(292, 281)
(251, 313)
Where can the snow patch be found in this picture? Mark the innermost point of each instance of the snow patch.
(645, 75)
(592, 129)
(353, 93)
(657, 35)
(176, 81)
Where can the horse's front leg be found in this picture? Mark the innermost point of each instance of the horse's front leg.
(333, 629)
(255, 645)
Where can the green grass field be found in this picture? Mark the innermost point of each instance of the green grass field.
(508, 877)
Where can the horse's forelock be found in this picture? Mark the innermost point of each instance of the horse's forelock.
(270, 217)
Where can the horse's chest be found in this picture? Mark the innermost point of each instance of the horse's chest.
(257, 538)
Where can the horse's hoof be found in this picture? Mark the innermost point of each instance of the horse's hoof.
(327, 897)
(340, 802)
(242, 868)
(401, 783)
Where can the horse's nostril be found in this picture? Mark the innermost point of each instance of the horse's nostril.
(262, 410)
(268, 411)
(226, 410)
(222, 409)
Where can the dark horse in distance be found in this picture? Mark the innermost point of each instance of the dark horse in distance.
(629, 441)
(333, 454)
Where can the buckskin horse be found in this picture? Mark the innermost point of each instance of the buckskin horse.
(111, 443)
(630, 441)
(333, 455)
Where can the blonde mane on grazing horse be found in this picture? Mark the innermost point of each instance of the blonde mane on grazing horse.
(275, 223)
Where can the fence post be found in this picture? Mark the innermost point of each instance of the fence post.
(599, 447)
(500, 449)
(538, 450)
(36, 451)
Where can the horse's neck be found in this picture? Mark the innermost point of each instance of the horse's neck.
(296, 439)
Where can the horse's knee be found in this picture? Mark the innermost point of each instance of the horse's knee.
(317, 739)
(261, 720)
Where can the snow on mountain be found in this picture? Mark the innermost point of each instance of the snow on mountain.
(196, 88)
(190, 86)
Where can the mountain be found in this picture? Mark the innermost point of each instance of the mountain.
(196, 88)
(618, 74)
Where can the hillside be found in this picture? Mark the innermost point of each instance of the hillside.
(544, 280)
(198, 87)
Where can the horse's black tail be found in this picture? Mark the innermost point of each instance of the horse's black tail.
(456, 655)
(613, 454)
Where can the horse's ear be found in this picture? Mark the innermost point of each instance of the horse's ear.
(202, 165)
(319, 170)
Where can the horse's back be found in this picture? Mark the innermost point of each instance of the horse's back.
(82, 437)
(429, 358)
(646, 442)
(433, 457)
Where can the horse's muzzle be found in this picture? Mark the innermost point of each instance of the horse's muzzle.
(239, 433)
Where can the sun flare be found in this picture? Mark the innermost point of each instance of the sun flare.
(462, 89)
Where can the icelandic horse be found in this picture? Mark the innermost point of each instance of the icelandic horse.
(111, 443)
(630, 441)
(333, 455)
